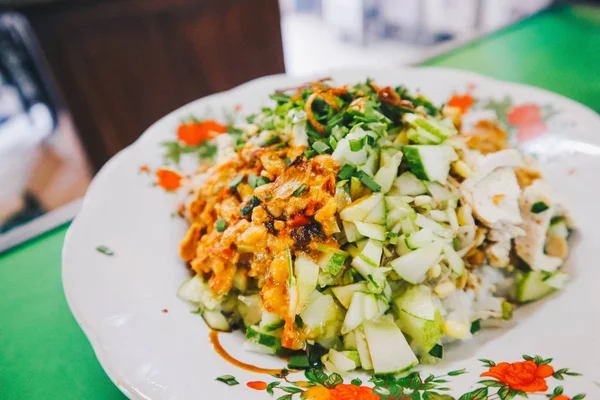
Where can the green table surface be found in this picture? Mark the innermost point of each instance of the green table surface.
(43, 352)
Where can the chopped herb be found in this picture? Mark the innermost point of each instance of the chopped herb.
(228, 379)
(221, 225)
(309, 153)
(332, 142)
(268, 196)
(299, 191)
(105, 250)
(269, 141)
(357, 144)
(321, 147)
(368, 181)
(282, 145)
(475, 326)
(539, 207)
(253, 202)
(256, 181)
(280, 97)
(346, 172)
(287, 161)
(236, 181)
(437, 351)
(546, 275)
(298, 361)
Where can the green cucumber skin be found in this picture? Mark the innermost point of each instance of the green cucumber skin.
(413, 157)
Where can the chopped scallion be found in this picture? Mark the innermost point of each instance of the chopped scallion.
(346, 172)
(321, 147)
(299, 191)
(539, 207)
(220, 225)
(357, 144)
(475, 326)
(298, 361)
(269, 141)
(236, 181)
(310, 153)
(287, 161)
(228, 379)
(253, 202)
(368, 181)
(437, 351)
(105, 250)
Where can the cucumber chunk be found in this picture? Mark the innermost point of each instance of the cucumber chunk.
(360, 209)
(388, 348)
(373, 231)
(408, 184)
(413, 267)
(344, 293)
(390, 162)
(534, 285)
(430, 163)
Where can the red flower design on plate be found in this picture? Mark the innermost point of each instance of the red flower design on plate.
(525, 376)
(528, 119)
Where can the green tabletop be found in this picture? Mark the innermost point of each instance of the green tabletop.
(44, 354)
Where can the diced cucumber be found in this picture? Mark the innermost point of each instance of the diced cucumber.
(436, 227)
(378, 215)
(215, 320)
(350, 341)
(322, 316)
(363, 306)
(413, 267)
(438, 192)
(330, 249)
(192, 289)
(352, 234)
(390, 162)
(369, 272)
(363, 349)
(430, 163)
(360, 209)
(373, 231)
(419, 317)
(534, 285)
(455, 262)
(336, 361)
(256, 335)
(270, 322)
(352, 355)
(197, 292)
(408, 224)
(428, 128)
(250, 309)
(408, 184)
(240, 281)
(307, 274)
(344, 293)
(372, 252)
(397, 210)
(558, 280)
(336, 263)
(419, 239)
(258, 348)
(389, 350)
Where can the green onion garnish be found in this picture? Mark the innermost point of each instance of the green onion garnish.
(437, 351)
(267, 142)
(475, 326)
(539, 207)
(321, 147)
(368, 181)
(309, 153)
(253, 202)
(105, 250)
(346, 172)
(287, 161)
(228, 379)
(507, 310)
(332, 142)
(299, 191)
(220, 225)
(256, 181)
(236, 181)
(357, 144)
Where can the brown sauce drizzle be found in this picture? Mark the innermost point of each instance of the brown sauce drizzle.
(214, 339)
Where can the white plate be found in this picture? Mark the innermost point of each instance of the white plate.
(119, 300)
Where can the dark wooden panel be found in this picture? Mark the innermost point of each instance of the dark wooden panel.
(123, 64)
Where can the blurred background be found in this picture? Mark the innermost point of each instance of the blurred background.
(80, 80)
